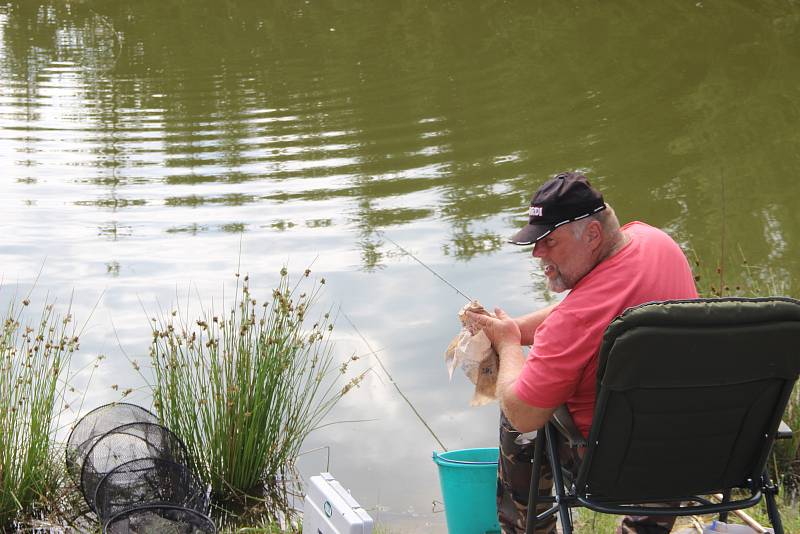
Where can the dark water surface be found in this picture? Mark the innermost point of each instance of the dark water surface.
(147, 146)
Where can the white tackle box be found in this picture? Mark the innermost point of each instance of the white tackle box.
(329, 508)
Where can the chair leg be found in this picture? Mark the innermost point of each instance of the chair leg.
(558, 479)
(533, 493)
(726, 496)
(770, 490)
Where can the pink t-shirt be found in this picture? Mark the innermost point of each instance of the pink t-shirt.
(562, 364)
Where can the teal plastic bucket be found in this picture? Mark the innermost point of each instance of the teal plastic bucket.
(469, 489)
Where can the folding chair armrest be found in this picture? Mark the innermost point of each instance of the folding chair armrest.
(784, 432)
(562, 421)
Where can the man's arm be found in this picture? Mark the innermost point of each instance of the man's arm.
(505, 336)
(528, 324)
(523, 416)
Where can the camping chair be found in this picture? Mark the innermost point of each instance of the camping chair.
(690, 396)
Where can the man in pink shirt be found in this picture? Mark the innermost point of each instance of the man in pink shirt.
(608, 268)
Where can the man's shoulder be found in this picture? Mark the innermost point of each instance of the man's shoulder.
(639, 227)
(651, 238)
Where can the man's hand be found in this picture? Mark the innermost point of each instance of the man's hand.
(502, 330)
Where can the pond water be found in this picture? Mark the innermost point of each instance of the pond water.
(152, 149)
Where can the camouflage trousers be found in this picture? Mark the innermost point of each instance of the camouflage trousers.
(513, 486)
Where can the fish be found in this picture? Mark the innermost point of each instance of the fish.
(473, 351)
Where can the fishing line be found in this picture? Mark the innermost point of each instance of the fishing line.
(437, 275)
(391, 379)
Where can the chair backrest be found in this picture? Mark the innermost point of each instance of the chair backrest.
(690, 396)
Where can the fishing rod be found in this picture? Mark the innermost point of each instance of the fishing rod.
(437, 275)
(375, 355)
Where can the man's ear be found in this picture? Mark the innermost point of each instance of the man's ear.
(593, 232)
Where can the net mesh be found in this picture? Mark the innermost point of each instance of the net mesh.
(133, 441)
(132, 473)
(159, 520)
(149, 481)
(94, 425)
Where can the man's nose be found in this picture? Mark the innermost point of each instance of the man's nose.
(538, 250)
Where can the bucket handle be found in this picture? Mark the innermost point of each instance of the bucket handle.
(438, 458)
(460, 462)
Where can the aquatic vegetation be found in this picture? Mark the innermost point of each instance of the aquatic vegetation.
(243, 389)
(737, 277)
(34, 361)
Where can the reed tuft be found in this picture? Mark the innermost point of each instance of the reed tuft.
(34, 361)
(243, 389)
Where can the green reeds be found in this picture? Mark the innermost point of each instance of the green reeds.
(34, 360)
(243, 389)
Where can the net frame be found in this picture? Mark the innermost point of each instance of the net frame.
(140, 520)
(94, 425)
(149, 481)
(132, 441)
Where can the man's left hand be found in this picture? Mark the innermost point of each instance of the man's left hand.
(501, 330)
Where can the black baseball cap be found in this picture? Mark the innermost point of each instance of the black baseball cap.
(565, 198)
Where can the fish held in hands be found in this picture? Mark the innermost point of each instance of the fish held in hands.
(473, 351)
